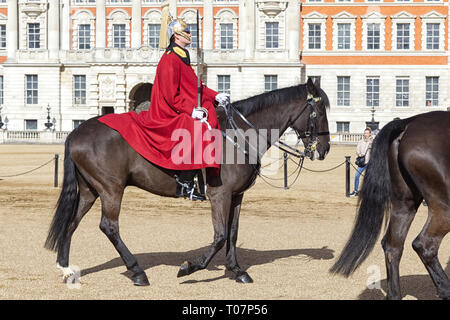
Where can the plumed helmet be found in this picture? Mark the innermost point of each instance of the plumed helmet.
(177, 26)
(170, 26)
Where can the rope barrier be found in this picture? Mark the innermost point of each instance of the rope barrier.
(319, 171)
(29, 171)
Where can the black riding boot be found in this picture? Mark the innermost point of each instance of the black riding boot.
(186, 186)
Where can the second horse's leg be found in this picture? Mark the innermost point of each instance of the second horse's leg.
(427, 246)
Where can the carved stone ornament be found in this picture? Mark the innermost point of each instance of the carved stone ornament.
(271, 8)
(107, 87)
(33, 10)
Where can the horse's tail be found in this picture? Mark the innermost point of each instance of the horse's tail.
(67, 203)
(374, 202)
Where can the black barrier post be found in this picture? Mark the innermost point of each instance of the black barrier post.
(347, 176)
(55, 181)
(285, 157)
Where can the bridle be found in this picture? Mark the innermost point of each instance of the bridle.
(311, 131)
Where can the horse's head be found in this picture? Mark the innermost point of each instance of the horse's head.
(312, 123)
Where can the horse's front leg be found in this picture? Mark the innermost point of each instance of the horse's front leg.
(233, 226)
(220, 208)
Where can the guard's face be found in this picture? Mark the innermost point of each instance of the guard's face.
(183, 38)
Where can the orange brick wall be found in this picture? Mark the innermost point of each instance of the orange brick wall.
(361, 10)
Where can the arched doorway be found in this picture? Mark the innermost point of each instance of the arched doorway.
(140, 97)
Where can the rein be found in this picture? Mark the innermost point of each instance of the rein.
(311, 132)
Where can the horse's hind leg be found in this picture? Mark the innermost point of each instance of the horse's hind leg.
(86, 199)
(403, 213)
(427, 245)
(233, 226)
(109, 224)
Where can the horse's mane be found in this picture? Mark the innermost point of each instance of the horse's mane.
(271, 98)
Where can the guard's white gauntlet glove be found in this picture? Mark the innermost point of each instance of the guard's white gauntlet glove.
(199, 113)
(223, 98)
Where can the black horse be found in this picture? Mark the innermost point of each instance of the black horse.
(99, 163)
(409, 162)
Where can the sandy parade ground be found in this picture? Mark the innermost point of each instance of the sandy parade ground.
(288, 240)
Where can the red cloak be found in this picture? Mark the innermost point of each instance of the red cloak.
(153, 133)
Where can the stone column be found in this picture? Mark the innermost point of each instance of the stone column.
(208, 26)
(65, 25)
(250, 30)
(12, 29)
(293, 29)
(242, 24)
(100, 30)
(53, 29)
(136, 25)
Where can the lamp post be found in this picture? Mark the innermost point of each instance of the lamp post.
(48, 124)
(372, 124)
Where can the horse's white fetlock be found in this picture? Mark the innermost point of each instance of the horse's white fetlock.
(68, 273)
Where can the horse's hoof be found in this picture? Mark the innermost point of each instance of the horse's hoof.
(140, 279)
(244, 278)
(185, 269)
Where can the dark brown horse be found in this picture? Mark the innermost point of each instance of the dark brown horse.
(409, 162)
(99, 163)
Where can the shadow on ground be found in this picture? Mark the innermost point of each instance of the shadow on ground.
(418, 286)
(248, 257)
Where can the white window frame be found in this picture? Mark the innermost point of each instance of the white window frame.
(344, 91)
(433, 17)
(33, 90)
(25, 19)
(226, 34)
(25, 121)
(76, 123)
(83, 2)
(151, 17)
(274, 11)
(377, 18)
(4, 21)
(154, 44)
(344, 18)
(3, 42)
(345, 125)
(270, 80)
(81, 90)
(409, 92)
(403, 17)
(427, 92)
(225, 16)
(117, 17)
(38, 43)
(220, 84)
(194, 35)
(314, 18)
(2, 90)
(79, 18)
(372, 92)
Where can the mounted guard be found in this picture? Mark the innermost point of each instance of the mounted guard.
(181, 121)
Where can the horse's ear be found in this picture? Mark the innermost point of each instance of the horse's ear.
(317, 82)
(310, 86)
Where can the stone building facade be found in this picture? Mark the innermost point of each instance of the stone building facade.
(84, 58)
(75, 59)
(386, 57)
